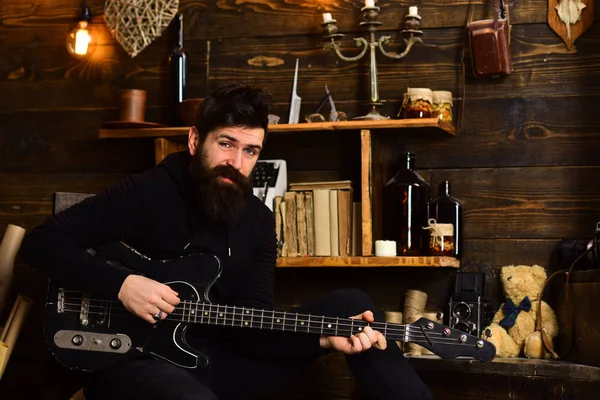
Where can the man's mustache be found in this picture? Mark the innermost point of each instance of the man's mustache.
(227, 171)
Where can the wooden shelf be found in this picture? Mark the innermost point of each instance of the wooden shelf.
(368, 262)
(425, 123)
(507, 366)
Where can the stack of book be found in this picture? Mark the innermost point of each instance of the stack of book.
(318, 219)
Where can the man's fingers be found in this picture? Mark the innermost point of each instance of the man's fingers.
(169, 295)
(367, 316)
(165, 307)
(381, 341)
(146, 316)
(356, 344)
(370, 334)
(364, 341)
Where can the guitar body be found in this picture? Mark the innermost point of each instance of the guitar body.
(89, 334)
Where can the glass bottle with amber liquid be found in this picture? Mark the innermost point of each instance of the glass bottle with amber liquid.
(446, 209)
(405, 211)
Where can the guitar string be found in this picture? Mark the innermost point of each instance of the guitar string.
(341, 322)
(402, 329)
(417, 338)
(230, 322)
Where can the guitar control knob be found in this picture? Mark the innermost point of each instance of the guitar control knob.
(488, 333)
(77, 340)
(115, 343)
(446, 331)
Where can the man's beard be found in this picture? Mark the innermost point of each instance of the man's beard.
(216, 199)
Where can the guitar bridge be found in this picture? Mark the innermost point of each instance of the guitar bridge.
(60, 302)
(84, 312)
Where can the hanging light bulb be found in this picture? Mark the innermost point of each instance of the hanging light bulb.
(79, 41)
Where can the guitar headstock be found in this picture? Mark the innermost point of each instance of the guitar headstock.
(447, 342)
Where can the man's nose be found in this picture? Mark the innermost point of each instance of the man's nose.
(236, 160)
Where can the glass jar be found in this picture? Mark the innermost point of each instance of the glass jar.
(441, 239)
(417, 103)
(442, 105)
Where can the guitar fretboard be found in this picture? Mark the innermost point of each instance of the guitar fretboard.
(243, 317)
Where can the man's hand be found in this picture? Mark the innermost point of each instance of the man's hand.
(145, 297)
(356, 343)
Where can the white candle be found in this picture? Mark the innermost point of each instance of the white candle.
(327, 17)
(385, 248)
(413, 11)
(369, 3)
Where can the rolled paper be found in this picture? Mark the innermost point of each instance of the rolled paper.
(11, 316)
(413, 11)
(12, 330)
(369, 3)
(11, 242)
(3, 357)
(327, 17)
(385, 248)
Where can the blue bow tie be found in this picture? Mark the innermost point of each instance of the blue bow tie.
(511, 312)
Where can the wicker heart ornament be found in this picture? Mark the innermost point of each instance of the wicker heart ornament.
(136, 23)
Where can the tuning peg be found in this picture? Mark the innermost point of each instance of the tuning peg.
(488, 333)
(439, 316)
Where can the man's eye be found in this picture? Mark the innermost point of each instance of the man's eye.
(225, 144)
(251, 152)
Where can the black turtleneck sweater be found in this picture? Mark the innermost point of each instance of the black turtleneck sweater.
(152, 212)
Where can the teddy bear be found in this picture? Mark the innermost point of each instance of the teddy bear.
(513, 327)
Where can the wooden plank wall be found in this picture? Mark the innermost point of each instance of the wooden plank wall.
(524, 160)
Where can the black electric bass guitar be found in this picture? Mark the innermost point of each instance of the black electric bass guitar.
(88, 333)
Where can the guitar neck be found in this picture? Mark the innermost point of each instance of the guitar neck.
(223, 315)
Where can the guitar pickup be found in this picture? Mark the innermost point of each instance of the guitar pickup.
(92, 341)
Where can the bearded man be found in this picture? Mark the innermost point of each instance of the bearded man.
(201, 201)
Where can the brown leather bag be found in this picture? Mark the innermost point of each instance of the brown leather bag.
(489, 41)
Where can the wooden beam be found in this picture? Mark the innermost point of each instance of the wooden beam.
(163, 147)
(365, 190)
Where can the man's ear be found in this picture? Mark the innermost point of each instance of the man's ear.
(193, 140)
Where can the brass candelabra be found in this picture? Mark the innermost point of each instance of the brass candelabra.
(370, 13)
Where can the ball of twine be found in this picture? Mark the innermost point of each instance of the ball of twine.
(414, 307)
(394, 317)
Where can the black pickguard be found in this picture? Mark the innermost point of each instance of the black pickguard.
(192, 276)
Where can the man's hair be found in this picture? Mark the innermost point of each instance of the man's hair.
(233, 104)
